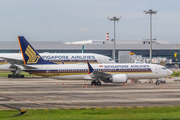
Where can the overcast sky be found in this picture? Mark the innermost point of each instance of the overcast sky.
(71, 20)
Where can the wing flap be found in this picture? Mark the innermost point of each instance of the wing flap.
(100, 75)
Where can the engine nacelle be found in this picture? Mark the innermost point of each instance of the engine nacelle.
(119, 78)
(6, 67)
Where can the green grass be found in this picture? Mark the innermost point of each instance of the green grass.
(5, 114)
(5, 73)
(174, 74)
(160, 113)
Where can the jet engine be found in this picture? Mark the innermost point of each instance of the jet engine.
(7, 67)
(119, 78)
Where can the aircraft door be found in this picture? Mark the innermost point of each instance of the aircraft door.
(156, 70)
(47, 71)
(99, 60)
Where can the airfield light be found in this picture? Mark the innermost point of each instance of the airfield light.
(150, 12)
(114, 40)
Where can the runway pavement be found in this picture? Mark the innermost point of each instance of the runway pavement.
(40, 93)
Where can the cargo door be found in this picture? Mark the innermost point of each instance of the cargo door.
(99, 60)
(156, 70)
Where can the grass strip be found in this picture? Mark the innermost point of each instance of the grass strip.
(176, 75)
(6, 73)
(6, 114)
(160, 113)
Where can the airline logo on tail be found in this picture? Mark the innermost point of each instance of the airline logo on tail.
(33, 58)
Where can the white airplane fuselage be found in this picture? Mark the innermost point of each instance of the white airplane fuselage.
(80, 72)
(66, 58)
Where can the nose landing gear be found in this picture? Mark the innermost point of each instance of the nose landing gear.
(96, 83)
(157, 82)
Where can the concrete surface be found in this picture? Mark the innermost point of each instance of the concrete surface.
(37, 93)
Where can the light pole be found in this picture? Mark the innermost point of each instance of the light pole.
(150, 12)
(114, 19)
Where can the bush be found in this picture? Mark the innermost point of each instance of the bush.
(176, 74)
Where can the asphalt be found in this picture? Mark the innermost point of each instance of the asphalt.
(46, 93)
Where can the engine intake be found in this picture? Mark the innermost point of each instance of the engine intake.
(119, 78)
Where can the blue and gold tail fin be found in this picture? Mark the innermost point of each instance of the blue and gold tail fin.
(30, 55)
(90, 69)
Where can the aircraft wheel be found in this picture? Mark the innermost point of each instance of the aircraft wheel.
(93, 82)
(14, 76)
(157, 82)
(17, 76)
(9, 76)
(98, 83)
(21, 76)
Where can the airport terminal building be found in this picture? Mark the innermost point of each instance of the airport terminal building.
(138, 47)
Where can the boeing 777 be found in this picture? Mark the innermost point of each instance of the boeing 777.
(60, 58)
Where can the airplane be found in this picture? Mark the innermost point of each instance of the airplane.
(60, 58)
(67, 58)
(108, 73)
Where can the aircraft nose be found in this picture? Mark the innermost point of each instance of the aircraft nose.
(170, 72)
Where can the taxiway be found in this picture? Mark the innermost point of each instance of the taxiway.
(38, 93)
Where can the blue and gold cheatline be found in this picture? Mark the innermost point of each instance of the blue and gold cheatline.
(64, 72)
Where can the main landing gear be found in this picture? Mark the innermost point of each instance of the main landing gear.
(15, 75)
(160, 80)
(96, 83)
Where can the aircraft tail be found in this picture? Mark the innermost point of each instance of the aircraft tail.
(82, 49)
(90, 69)
(30, 55)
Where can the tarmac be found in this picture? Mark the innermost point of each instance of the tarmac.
(46, 93)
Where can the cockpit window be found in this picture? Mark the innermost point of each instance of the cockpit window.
(163, 68)
(110, 59)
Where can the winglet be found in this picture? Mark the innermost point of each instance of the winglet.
(30, 55)
(90, 69)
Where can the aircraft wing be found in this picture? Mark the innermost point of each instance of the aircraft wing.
(101, 75)
(96, 74)
(15, 63)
